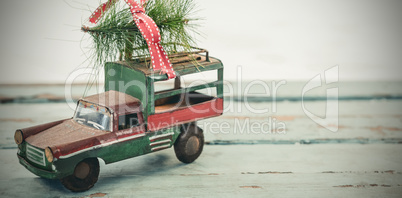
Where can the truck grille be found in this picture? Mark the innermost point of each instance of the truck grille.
(35, 155)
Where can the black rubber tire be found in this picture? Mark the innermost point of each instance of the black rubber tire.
(77, 184)
(189, 144)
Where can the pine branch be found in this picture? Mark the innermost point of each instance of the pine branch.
(117, 34)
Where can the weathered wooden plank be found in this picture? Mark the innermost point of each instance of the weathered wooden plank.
(262, 168)
(259, 170)
(357, 119)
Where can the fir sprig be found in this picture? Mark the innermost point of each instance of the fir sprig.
(116, 33)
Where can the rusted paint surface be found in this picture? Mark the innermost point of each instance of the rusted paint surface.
(184, 115)
(38, 128)
(103, 138)
(67, 132)
(119, 102)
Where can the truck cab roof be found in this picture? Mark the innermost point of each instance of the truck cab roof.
(118, 102)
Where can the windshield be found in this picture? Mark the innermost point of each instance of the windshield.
(93, 116)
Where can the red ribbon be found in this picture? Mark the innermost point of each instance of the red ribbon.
(148, 29)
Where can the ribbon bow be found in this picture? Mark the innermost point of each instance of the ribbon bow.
(148, 29)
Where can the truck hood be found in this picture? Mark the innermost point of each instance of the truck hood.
(66, 132)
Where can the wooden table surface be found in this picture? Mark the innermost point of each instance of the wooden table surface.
(362, 159)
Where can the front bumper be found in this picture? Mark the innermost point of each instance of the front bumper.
(39, 172)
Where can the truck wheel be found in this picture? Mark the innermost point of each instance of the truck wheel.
(189, 144)
(84, 177)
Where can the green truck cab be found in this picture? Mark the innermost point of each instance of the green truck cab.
(129, 119)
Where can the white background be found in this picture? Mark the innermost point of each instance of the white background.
(41, 41)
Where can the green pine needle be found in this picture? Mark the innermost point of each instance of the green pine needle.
(117, 34)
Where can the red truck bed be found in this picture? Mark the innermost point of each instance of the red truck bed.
(183, 109)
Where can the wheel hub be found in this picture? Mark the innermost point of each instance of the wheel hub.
(192, 145)
(81, 170)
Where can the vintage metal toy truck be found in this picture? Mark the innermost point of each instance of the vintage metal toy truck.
(127, 120)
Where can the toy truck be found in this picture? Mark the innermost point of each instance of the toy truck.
(124, 122)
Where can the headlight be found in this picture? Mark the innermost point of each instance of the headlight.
(18, 137)
(49, 154)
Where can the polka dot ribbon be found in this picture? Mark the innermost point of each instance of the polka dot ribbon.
(148, 29)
